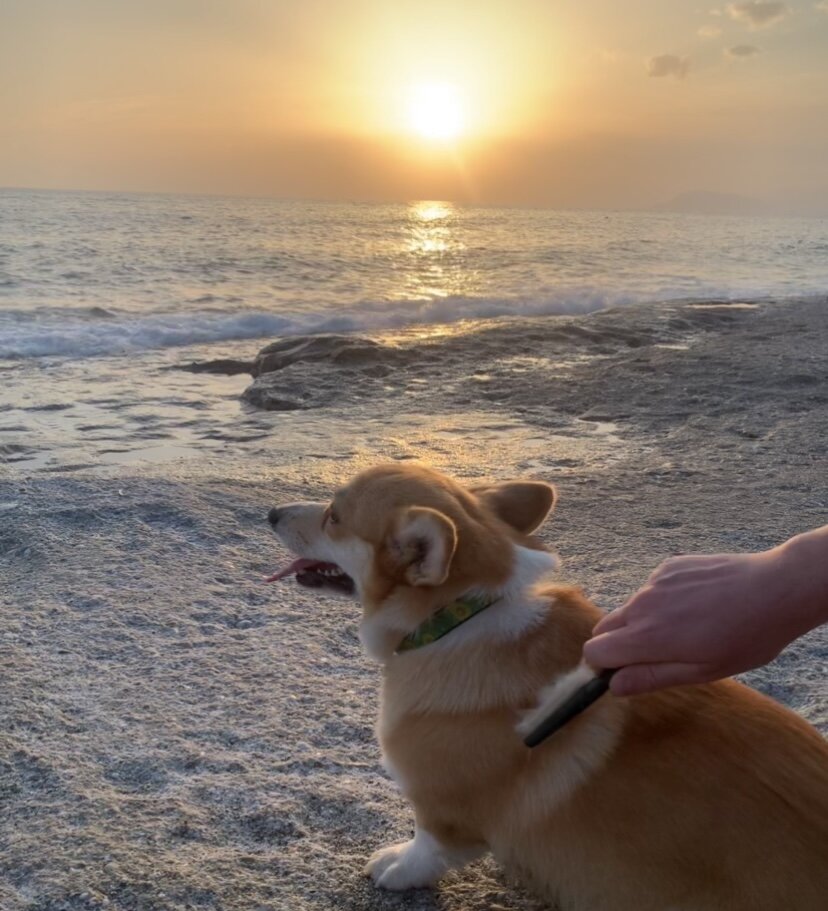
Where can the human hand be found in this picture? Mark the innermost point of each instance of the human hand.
(700, 618)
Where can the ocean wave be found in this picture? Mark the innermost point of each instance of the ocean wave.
(95, 331)
(107, 336)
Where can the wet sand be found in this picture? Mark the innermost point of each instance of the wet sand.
(174, 734)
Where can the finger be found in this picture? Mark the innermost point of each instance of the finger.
(623, 646)
(618, 648)
(645, 678)
(614, 620)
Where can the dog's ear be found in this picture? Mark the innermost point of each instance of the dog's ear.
(421, 543)
(522, 504)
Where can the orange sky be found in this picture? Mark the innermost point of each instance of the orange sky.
(593, 103)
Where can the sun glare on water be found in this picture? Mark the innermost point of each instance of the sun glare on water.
(435, 111)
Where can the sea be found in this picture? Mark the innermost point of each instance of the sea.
(105, 296)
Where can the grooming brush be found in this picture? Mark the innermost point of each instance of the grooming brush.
(578, 702)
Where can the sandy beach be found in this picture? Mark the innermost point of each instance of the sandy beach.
(175, 734)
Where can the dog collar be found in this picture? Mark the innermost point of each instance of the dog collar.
(444, 620)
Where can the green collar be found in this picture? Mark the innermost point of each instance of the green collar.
(445, 620)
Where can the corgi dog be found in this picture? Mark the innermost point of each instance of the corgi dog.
(697, 798)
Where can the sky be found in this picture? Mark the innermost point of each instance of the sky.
(587, 103)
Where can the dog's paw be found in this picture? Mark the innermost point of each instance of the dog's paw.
(381, 860)
(404, 866)
(400, 876)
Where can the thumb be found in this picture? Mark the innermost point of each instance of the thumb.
(645, 678)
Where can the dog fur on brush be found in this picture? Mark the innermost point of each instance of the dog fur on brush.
(698, 798)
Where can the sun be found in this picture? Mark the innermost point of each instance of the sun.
(435, 111)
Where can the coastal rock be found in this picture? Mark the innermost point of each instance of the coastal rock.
(314, 384)
(342, 350)
(320, 370)
(224, 366)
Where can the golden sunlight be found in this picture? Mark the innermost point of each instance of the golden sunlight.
(435, 111)
(431, 210)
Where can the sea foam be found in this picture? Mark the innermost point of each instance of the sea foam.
(75, 334)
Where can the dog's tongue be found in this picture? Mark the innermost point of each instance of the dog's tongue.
(296, 567)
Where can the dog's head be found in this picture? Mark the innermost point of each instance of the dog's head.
(403, 532)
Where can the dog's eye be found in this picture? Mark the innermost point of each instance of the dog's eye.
(333, 518)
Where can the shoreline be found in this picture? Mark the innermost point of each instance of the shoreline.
(110, 412)
(180, 735)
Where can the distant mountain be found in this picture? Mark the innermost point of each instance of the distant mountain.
(704, 202)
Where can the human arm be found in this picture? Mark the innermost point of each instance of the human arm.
(700, 618)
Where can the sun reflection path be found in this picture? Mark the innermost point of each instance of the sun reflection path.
(433, 260)
(431, 210)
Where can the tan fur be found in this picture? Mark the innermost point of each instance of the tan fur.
(706, 798)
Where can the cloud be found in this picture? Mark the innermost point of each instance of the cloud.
(668, 65)
(758, 13)
(743, 50)
(709, 31)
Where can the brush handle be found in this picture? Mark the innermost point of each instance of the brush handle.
(580, 700)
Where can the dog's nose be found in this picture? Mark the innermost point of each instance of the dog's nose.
(274, 515)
